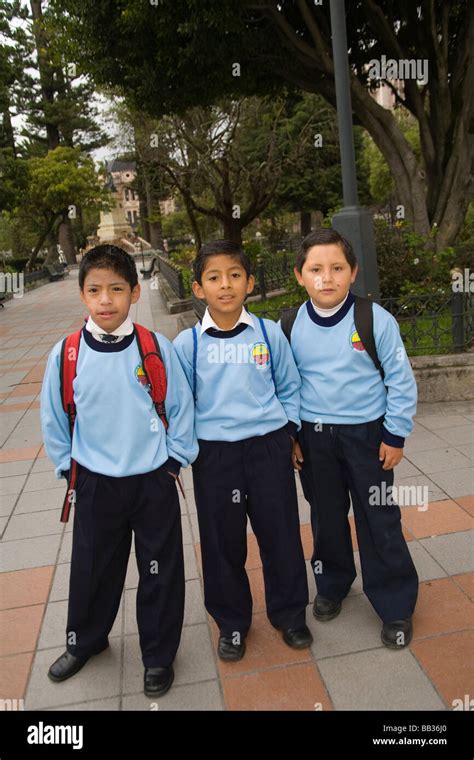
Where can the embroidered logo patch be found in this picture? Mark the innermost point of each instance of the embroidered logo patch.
(260, 355)
(356, 342)
(141, 377)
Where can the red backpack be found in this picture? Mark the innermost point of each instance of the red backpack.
(153, 367)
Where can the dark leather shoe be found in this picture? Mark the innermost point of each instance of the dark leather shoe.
(326, 609)
(398, 634)
(298, 638)
(227, 650)
(158, 681)
(68, 665)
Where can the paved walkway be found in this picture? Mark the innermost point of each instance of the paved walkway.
(347, 667)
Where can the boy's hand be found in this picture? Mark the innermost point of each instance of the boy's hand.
(390, 456)
(297, 456)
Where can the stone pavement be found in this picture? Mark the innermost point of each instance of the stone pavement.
(347, 667)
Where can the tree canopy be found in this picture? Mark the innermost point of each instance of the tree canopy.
(169, 55)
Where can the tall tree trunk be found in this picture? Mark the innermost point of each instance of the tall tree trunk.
(145, 224)
(192, 219)
(66, 240)
(46, 72)
(40, 242)
(232, 230)
(51, 242)
(7, 134)
(305, 223)
(153, 214)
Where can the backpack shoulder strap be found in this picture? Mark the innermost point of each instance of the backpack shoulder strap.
(364, 323)
(154, 368)
(67, 373)
(267, 341)
(288, 317)
(195, 350)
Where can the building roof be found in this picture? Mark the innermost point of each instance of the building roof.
(116, 165)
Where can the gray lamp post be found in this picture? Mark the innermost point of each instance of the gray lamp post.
(353, 221)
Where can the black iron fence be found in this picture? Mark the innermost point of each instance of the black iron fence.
(435, 323)
(272, 272)
(431, 324)
(173, 275)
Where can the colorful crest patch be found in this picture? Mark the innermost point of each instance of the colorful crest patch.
(356, 342)
(260, 355)
(140, 376)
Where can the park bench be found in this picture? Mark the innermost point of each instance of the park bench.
(55, 271)
(148, 271)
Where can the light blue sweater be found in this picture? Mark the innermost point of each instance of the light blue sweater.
(117, 430)
(235, 394)
(340, 383)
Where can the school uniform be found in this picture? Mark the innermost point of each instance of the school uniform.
(124, 484)
(244, 420)
(346, 412)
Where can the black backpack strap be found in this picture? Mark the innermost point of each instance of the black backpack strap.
(288, 317)
(364, 323)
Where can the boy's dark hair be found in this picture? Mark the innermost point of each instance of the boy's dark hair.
(325, 236)
(219, 248)
(108, 257)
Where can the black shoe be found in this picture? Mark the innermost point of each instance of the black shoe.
(298, 638)
(158, 681)
(398, 634)
(228, 650)
(326, 609)
(68, 665)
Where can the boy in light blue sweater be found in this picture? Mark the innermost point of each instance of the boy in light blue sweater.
(127, 463)
(354, 425)
(246, 389)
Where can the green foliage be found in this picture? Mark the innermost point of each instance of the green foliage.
(254, 249)
(408, 263)
(62, 178)
(187, 280)
(184, 255)
(172, 55)
(176, 225)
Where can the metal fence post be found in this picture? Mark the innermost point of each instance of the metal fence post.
(261, 277)
(457, 311)
(181, 293)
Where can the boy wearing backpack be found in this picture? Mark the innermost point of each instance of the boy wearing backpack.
(358, 399)
(118, 421)
(246, 389)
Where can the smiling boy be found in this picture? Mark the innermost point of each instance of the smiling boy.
(246, 389)
(354, 425)
(127, 461)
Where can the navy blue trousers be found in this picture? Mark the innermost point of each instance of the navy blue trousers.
(342, 461)
(252, 477)
(107, 510)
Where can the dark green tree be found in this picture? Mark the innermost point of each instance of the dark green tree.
(227, 160)
(170, 55)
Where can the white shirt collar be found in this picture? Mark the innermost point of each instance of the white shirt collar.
(126, 328)
(207, 321)
(328, 312)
